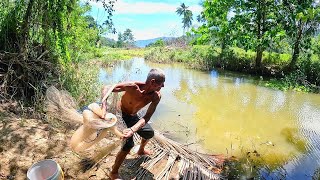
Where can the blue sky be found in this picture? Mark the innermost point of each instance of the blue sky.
(147, 19)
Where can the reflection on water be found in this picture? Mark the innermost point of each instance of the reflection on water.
(222, 112)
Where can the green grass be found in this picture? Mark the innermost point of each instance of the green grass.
(81, 81)
(285, 85)
(121, 53)
(80, 78)
(111, 54)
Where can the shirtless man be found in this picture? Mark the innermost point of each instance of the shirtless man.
(136, 96)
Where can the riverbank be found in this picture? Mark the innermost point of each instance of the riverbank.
(105, 54)
(80, 78)
(274, 65)
(86, 86)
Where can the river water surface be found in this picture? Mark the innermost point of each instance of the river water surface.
(219, 112)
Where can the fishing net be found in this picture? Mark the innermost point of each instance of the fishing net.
(176, 157)
(61, 105)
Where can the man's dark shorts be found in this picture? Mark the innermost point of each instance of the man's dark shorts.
(146, 132)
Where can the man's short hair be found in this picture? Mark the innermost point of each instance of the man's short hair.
(156, 74)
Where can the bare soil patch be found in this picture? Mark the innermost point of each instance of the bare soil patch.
(25, 141)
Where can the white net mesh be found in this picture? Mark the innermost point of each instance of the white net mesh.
(60, 105)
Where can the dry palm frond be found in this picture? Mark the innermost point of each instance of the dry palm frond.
(193, 165)
(167, 170)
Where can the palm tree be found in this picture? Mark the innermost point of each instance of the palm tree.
(187, 16)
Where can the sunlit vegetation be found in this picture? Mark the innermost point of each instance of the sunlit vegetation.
(204, 57)
(276, 40)
(44, 43)
(121, 53)
(158, 43)
(81, 80)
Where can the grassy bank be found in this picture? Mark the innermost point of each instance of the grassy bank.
(81, 77)
(121, 54)
(305, 78)
(112, 54)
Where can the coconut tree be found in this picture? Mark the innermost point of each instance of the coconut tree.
(186, 16)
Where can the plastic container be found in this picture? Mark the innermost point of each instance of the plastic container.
(46, 169)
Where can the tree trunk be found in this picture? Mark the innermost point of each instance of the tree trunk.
(223, 49)
(296, 48)
(259, 57)
(259, 34)
(25, 25)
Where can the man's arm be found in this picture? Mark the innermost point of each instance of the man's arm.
(125, 85)
(149, 113)
(119, 88)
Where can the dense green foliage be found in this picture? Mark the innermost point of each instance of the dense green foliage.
(125, 39)
(206, 57)
(265, 25)
(272, 39)
(158, 43)
(260, 25)
(41, 43)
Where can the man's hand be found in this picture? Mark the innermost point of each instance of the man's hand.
(139, 90)
(128, 132)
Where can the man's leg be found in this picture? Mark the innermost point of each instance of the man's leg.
(114, 174)
(146, 132)
(142, 150)
(119, 160)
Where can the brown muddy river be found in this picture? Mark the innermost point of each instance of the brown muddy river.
(217, 112)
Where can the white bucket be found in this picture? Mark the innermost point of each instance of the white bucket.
(46, 169)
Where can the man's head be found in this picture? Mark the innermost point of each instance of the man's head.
(156, 79)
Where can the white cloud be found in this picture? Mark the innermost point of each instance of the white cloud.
(173, 29)
(195, 9)
(137, 7)
(168, 28)
(147, 34)
(163, 27)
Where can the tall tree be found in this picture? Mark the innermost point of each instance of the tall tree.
(300, 19)
(186, 16)
(255, 25)
(41, 32)
(120, 40)
(91, 22)
(216, 24)
(128, 36)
